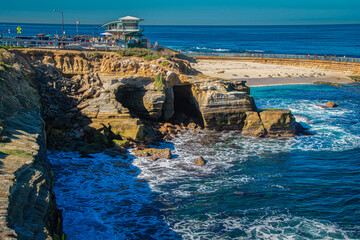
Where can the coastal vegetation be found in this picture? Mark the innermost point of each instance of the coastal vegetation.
(146, 54)
(165, 63)
(159, 82)
(355, 78)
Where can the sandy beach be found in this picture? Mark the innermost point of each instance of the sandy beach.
(257, 74)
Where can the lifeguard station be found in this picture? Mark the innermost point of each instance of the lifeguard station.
(127, 28)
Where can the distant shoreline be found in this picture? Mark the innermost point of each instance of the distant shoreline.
(265, 72)
(263, 82)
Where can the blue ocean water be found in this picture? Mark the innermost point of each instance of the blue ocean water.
(339, 40)
(287, 188)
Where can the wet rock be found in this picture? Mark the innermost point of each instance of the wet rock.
(331, 104)
(154, 153)
(192, 126)
(122, 144)
(238, 193)
(327, 83)
(199, 162)
(253, 125)
(91, 149)
(321, 106)
(279, 123)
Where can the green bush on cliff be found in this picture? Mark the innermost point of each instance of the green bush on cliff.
(355, 78)
(146, 54)
(165, 63)
(159, 82)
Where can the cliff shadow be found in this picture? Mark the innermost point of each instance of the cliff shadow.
(132, 98)
(186, 108)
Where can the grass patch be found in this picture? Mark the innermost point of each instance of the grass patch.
(355, 78)
(165, 63)
(9, 47)
(96, 54)
(16, 153)
(159, 82)
(146, 54)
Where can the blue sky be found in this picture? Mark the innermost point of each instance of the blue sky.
(186, 12)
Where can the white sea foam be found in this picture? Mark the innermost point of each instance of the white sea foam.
(213, 49)
(330, 133)
(272, 226)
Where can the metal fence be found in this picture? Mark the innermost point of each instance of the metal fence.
(279, 56)
(53, 44)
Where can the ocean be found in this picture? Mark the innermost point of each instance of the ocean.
(305, 187)
(339, 40)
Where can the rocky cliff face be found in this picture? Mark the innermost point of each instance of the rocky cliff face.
(28, 208)
(129, 96)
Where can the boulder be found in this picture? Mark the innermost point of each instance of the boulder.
(279, 123)
(122, 144)
(128, 128)
(91, 149)
(153, 102)
(331, 104)
(154, 153)
(253, 125)
(200, 162)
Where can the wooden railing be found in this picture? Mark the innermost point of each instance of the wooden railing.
(280, 56)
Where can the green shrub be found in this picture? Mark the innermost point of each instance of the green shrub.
(159, 82)
(146, 54)
(165, 63)
(355, 78)
(96, 54)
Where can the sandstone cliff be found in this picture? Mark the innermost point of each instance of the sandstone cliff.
(28, 208)
(85, 94)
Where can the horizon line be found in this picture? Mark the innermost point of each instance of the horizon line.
(200, 25)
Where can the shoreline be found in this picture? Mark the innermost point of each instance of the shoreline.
(257, 82)
(273, 73)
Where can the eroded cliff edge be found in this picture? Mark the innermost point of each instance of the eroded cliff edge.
(90, 101)
(28, 207)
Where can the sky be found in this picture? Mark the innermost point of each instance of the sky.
(185, 12)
